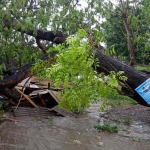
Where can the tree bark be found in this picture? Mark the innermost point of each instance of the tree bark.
(129, 43)
(127, 23)
(135, 77)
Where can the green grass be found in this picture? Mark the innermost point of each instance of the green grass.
(122, 100)
(140, 67)
(118, 120)
(36, 119)
(106, 127)
(128, 121)
(119, 100)
(50, 118)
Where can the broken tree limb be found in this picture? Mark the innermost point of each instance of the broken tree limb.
(57, 37)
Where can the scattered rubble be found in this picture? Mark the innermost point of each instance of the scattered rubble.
(35, 99)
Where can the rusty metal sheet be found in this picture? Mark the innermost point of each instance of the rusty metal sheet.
(63, 112)
(41, 112)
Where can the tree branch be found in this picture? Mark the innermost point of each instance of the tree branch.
(39, 34)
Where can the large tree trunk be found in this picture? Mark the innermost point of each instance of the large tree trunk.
(135, 78)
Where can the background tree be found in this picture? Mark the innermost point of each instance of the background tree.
(126, 21)
(115, 34)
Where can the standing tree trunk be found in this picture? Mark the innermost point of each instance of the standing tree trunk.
(129, 43)
(127, 23)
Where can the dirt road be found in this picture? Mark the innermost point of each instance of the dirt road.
(64, 133)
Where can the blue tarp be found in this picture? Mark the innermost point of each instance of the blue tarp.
(144, 90)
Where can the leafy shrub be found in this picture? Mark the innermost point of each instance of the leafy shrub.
(106, 127)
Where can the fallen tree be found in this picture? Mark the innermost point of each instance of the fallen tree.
(107, 64)
(135, 77)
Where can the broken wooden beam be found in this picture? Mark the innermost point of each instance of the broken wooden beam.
(26, 97)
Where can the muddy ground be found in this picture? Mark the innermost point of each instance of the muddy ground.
(68, 133)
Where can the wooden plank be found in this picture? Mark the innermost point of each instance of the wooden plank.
(53, 94)
(26, 97)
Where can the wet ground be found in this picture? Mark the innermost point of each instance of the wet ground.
(68, 133)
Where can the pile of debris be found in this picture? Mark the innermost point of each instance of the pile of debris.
(35, 98)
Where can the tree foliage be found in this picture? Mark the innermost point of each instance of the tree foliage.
(116, 34)
(74, 69)
(30, 27)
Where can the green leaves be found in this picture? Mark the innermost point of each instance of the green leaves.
(74, 71)
(74, 67)
(106, 127)
(134, 21)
